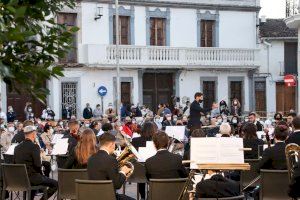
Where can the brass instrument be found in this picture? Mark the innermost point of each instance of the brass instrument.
(187, 185)
(127, 156)
(292, 153)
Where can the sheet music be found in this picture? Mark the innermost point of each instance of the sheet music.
(216, 150)
(260, 134)
(57, 137)
(176, 132)
(11, 149)
(146, 152)
(61, 147)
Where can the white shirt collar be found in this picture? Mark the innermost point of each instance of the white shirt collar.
(161, 149)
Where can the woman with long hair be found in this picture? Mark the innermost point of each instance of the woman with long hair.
(85, 148)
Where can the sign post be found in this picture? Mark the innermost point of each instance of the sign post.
(102, 91)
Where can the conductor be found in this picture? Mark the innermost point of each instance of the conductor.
(196, 111)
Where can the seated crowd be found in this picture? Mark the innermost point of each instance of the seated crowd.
(93, 141)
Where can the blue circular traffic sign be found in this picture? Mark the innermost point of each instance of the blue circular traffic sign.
(102, 91)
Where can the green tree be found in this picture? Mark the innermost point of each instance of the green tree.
(31, 42)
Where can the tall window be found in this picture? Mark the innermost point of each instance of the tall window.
(290, 57)
(260, 96)
(236, 90)
(209, 91)
(207, 33)
(69, 96)
(69, 19)
(124, 30)
(125, 92)
(158, 31)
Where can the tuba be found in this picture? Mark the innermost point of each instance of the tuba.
(127, 157)
(292, 153)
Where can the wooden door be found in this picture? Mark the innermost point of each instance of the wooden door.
(209, 92)
(126, 92)
(285, 98)
(70, 20)
(207, 28)
(18, 101)
(158, 31)
(236, 91)
(157, 88)
(260, 97)
(124, 30)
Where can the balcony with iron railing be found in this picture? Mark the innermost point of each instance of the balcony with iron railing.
(165, 57)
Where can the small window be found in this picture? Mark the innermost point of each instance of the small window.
(157, 31)
(124, 30)
(207, 33)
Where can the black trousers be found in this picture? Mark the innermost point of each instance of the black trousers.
(45, 181)
(47, 168)
(142, 190)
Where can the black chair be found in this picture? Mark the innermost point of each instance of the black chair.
(15, 179)
(66, 182)
(248, 176)
(94, 190)
(274, 184)
(61, 160)
(224, 198)
(9, 159)
(165, 188)
(138, 176)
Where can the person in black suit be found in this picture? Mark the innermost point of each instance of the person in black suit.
(148, 130)
(72, 134)
(87, 112)
(274, 157)
(20, 136)
(85, 148)
(251, 141)
(217, 187)
(295, 136)
(164, 164)
(28, 153)
(196, 111)
(103, 166)
(294, 191)
(252, 119)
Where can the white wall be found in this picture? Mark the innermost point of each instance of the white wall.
(183, 28)
(140, 26)
(89, 82)
(237, 29)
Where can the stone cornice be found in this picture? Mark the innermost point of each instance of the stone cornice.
(180, 5)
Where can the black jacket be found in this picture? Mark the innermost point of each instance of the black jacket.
(72, 162)
(165, 165)
(102, 166)
(71, 140)
(11, 116)
(259, 126)
(294, 138)
(274, 158)
(257, 147)
(217, 187)
(87, 113)
(28, 153)
(195, 114)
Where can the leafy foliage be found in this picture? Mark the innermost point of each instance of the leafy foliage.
(31, 42)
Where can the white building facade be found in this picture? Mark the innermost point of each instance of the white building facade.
(169, 48)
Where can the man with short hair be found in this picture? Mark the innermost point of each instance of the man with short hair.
(20, 136)
(87, 112)
(196, 111)
(252, 119)
(103, 166)
(28, 153)
(164, 164)
(295, 136)
(290, 118)
(72, 134)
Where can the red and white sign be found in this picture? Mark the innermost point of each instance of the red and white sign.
(290, 80)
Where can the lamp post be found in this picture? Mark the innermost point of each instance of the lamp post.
(118, 60)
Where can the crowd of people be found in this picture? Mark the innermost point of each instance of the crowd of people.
(94, 138)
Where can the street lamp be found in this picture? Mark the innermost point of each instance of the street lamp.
(118, 60)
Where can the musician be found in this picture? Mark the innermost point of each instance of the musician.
(252, 119)
(103, 166)
(168, 121)
(164, 164)
(251, 141)
(295, 136)
(148, 130)
(217, 187)
(274, 157)
(85, 148)
(72, 134)
(196, 111)
(28, 153)
(20, 136)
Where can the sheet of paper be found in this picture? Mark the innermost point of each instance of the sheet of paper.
(146, 153)
(56, 137)
(176, 132)
(260, 134)
(11, 149)
(216, 150)
(61, 147)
